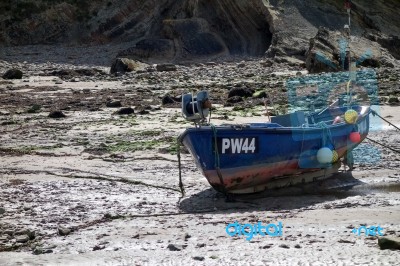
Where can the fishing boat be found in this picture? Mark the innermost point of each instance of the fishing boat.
(292, 148)
(299, 147)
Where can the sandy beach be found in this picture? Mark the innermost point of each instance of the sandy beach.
(99, 188)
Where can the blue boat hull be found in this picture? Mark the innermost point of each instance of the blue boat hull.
(235, 157)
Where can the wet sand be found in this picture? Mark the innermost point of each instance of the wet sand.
(96, 188)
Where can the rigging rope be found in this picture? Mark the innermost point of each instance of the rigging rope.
(326, 133)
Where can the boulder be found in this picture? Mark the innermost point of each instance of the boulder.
(242, 92)
(234, 99)
(125, 111)
(57, 114)
(167, 99)
(13, 74)
(123, 65)
(328, 52)
(393, 100)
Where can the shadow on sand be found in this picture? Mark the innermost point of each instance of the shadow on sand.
(340, 186)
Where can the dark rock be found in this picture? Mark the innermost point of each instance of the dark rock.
(297, 246)
(34, 109)
(125, 111)
(72, 73)
(13, 74)
(234, 99)
(2, 210)
(187, 236)
(167, 99)
(393, 100)
(112, 216)
(260, 94)
(199, 258)
(63, 231)
(98, 247)
(142, 111)
(267, 63)
(39, 250)
(123, 65)
(242, 92)
(175, 247)
(283, 246)
(267, 246)
(113, 104)
(387, 243)
(57, 114)
(31, 234)
(166, 67)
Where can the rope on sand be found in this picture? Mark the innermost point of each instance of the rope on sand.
(374, 113)
(383, 145)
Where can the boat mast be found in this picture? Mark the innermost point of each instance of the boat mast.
(348, 32)
(352, 74)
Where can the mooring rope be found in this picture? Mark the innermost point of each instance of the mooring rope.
(178, 152)
(374, 113)
(217, 161)
(383, 145)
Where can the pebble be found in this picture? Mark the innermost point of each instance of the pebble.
(57, 114)
(63, 231)
(125, 111)
(22, 238)
(113, 104)
(176, 247)
(4, 238)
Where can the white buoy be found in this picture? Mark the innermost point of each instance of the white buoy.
(325, 155)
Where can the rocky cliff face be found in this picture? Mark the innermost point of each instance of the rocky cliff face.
(176, 30)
